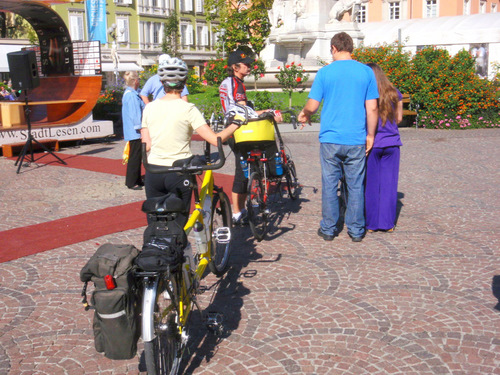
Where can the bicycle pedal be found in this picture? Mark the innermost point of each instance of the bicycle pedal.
(214, 323)
(222, 235)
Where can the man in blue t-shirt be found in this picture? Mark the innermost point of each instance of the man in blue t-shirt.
(349, 118)
(154, 87)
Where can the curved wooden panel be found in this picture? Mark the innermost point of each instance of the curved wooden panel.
(78, 96)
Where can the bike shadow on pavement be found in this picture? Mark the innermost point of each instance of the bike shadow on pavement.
(226, 298)
(281, 209)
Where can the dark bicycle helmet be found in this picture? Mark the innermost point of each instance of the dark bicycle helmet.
(171, 70)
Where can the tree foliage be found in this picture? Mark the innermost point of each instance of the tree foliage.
(170, 42)
(13, 26)
(244, 27)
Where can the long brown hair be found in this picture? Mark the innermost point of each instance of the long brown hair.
(388, 95)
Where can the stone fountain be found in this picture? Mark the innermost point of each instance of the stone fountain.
(302, 29)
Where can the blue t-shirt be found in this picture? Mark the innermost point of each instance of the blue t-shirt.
(344, 86)
(132, 107)
(155, 87)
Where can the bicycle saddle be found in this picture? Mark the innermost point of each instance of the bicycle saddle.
(195, 161)
(164, 204)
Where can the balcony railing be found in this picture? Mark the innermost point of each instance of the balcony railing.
(154, 11)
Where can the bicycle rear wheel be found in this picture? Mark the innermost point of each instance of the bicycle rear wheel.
(163, 354)
(221, 234)
(256, 206)
(291, 180)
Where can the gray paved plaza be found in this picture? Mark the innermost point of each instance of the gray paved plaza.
(416, 301)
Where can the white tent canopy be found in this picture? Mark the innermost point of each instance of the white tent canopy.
(4, 50)
(477, 28)
(452, 33)
(122, 67)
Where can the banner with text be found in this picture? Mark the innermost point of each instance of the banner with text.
(96, 20)
(83, 130)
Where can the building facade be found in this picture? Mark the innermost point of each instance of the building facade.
(139, 27)
(386, 10)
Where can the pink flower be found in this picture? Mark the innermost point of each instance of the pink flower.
(205, 63)
(256, 67)
(447, 124)
(205, 82)
(261, 75)
(458, 117)
(480, 118)
(279, 67)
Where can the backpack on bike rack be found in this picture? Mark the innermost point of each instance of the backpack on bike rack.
(164, 238)
(115, 300)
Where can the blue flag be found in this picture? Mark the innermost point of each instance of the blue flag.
(96, 20)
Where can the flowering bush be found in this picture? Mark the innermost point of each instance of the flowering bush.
(258, 70)
(291, 77)
(193, 83)
(392, 59)
(215, 72)
(108, 106)
(445, 88)
(457, 122)
(449, 85)
(146, 74)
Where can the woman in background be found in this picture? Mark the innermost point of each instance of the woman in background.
(382, 169)
(132, 107)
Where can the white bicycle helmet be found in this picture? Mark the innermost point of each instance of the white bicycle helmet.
(172, 70)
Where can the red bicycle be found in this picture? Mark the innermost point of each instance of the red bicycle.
(268, 175)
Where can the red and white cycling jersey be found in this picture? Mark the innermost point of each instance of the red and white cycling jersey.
(231, 91)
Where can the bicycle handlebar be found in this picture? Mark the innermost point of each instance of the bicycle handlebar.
(293, 117)
(151, 168)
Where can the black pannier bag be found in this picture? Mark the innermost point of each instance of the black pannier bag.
(164, 237)
(115, 300)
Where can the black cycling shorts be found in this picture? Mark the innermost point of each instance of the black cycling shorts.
(241, 149)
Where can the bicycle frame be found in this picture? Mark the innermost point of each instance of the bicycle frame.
(201, 213)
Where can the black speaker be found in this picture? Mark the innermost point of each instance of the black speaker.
(23, 70)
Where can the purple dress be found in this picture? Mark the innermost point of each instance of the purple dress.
(382, 171)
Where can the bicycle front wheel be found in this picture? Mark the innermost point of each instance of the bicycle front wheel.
(163, 354)
(256, 206)
(221, 234)
(292, 182)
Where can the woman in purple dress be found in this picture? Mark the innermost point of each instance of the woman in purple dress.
(382, 169)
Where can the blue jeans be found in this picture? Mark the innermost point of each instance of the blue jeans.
(332, 156)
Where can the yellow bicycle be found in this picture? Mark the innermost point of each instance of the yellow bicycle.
(170, 294)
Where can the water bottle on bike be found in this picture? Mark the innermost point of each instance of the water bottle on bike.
(244, 166)
(279, 165)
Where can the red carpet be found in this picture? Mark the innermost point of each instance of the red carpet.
(20, 242)
(88, 163)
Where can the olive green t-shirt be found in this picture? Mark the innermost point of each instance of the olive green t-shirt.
(171, 124)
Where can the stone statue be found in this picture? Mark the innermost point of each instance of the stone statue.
(299, 7)
(276, 14)
(114, 55)
(343, 6)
